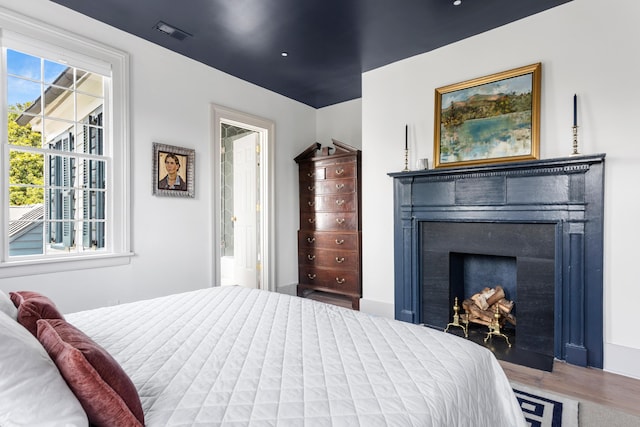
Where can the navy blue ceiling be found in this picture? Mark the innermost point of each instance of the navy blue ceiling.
(330, 43)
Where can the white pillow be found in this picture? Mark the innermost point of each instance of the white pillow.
(32, 391)
(6, 306)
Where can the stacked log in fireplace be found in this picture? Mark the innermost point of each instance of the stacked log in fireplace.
(488, 306)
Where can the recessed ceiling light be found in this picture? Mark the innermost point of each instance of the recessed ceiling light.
(457, 2)
(284, 54)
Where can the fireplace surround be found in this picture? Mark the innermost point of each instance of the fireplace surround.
(543, 217)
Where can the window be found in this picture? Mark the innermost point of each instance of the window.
(65, 174)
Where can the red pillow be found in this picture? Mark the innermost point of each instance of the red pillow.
(106, 393)
(32, 307)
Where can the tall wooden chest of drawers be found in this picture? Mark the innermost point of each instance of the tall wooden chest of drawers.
(329, 238)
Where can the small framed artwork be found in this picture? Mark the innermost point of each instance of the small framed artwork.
(173, 172)
(490, 119)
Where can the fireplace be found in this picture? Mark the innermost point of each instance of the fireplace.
(535, 228)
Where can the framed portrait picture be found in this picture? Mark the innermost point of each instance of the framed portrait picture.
(173, 172)
(490, 119)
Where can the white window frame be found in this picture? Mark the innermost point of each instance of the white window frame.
(35, 37)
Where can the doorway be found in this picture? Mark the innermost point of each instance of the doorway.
(243, 194)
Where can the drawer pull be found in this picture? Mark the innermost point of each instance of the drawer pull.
(311, 187)
(311, 203)
(311, 220)
(340, 281)
(339, 171)
(311, 276)
(311, 257)
(339, 242)
(340, 260)
(311, 174)
(339, 186)
(340, 221)
(339, 202)
(311, 239)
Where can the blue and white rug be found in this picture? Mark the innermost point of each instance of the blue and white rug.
(544, 409)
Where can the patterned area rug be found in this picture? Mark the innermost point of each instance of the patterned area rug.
(544, 409)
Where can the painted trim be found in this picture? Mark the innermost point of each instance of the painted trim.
(266, 128)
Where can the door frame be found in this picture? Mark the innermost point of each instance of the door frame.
(266, 130)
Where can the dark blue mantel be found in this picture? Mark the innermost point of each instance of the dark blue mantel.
(566, 192)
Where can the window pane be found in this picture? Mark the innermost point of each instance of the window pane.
(25, 238)
(59, 103)
(20, 130)
(61, 236)
(86, 104)
(62, 172)
(53, 71)
(25, 169)
(24, 95)
(26, 221)
(93, 205)
(93, 173)
(58, 135)
(23, 65)
(93, 235)
(89, 83)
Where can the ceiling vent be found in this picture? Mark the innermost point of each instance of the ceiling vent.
(172, 31)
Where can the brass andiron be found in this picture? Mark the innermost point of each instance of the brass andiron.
(494, 328)
(456, 320)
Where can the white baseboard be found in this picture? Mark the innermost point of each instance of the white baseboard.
(288, 289)
(622, 360)
(379, 308)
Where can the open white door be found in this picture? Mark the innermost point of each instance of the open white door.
(245, 210)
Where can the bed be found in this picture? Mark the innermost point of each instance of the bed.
(234, 356)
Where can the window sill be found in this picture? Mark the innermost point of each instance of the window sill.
(57, 265)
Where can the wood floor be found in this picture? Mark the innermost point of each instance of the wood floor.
(595, 385)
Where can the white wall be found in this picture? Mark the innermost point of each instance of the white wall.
(340, 121)
(172, 237)
(586, 47)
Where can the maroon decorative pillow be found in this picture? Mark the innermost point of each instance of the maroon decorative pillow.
(103, 388)
(32, 307)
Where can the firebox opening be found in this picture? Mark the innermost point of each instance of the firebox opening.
(471, 273)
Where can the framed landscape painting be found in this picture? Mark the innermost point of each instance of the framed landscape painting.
(490, 119)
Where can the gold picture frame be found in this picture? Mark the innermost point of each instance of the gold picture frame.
(489, 119)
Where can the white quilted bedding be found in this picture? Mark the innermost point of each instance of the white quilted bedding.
(233, 356)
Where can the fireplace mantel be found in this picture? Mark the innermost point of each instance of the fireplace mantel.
(567, 192)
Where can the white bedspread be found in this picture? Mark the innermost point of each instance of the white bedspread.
(233, 356)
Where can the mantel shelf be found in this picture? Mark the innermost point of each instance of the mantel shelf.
(505, 167)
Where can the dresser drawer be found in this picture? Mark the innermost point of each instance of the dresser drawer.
(328, 240)
(344, 281)
(341, 170)
(327, 221)
(311, 173)
(328, 171)
(347, 185)
(329, 203)
(339, 260)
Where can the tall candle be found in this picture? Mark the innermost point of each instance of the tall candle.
(406, 137)
(575, 110)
